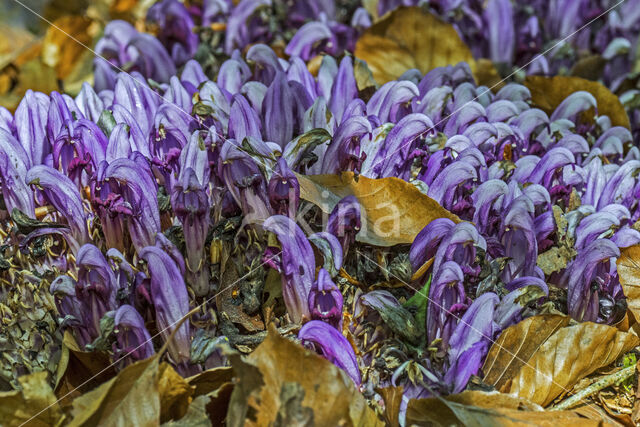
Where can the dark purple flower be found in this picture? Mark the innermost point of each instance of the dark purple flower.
(284, 190)
(297, 265)
(333, 346)
(63, 289)
(174, 29)
(133, 341)
(345, 221)
(325, 300)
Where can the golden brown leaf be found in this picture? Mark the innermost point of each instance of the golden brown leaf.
(131, 398)
(210, 380)
(282, 382)
(516, 345)
(410, 38)
(175, 393)
(392, 397)
(59, 49)
(548, 92)
(196, 415)
(480, 409)
(36, 399)
(566, 357)
(393, 211)
(629, 273)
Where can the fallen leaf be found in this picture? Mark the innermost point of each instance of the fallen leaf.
(393, 210)
(392, 397)
(36, 400)
(63, 43)
(566, 357)
(555, 259)
(516, 345)
(217, 406)
(629, 273)
(480, 409)
(589, 67)
(175, 393)
(131, 398)
(196, 415)
(409, 38)
(210, 380)
(548, 92)
(363, 75)
(281, 382)
(80, 368)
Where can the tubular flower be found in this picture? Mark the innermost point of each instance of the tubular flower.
(325, 300)
(297, 265)
(332, 345)
(345, 221)
(284, 190)
(133, 341)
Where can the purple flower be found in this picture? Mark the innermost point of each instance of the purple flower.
(14, 165)
(190, 203)
(175, 29)
(345, 221)
(284, 190)
(331, 250)
(325, 300)
(297, 265)
(63, 289)
(333, 345)
(132, 338)
(447, 298)
(171, 301)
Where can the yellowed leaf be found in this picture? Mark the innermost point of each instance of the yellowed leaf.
(63, 43)
(393, 210)
(210, 380)
(516, 345)
(410, 38)
(629, 273)
(175, 393)
(195, 416)
(392, 397)
(281, 383)
(480, 409)
(131, 398)
(548, 92)
(36, 400)
(566, 357)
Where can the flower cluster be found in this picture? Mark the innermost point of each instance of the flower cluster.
(121, 198)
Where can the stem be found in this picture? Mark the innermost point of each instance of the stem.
(602, 383)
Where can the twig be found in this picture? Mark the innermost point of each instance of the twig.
(602, 383)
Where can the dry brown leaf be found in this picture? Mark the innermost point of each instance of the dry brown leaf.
(629, 273)
(480, 409)
(196, 415)
(393, 211)
(410, 38)
(175, 393)
(210, 380)
(60, 50)
(392, 397)
(77, 367)
(566, 357)
(36, 399)
(281, 383)
(548, 92)
(516, 345)
(131, 398)
(217, 406)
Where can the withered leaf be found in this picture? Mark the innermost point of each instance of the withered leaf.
(629, 273)
(480, 409)
(548, 92)
(392, 397)
(393, 210)
(280, 373)
(36, 400)
(196, 415)
(175, 393)
(409, 38)
(131, 398)
(210, 380)
(59, 50)
(516, 345)
(566, 357)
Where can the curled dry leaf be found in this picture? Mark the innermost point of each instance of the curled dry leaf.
(175, 393)
(516, 345)
(480, 409)
(210, 380)
(393, 210)
(196, 415)
(566, 357)
(36, 400)
(282, 383)
(392, 397)
(410, 38)
(629, 273)
(548, 92)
